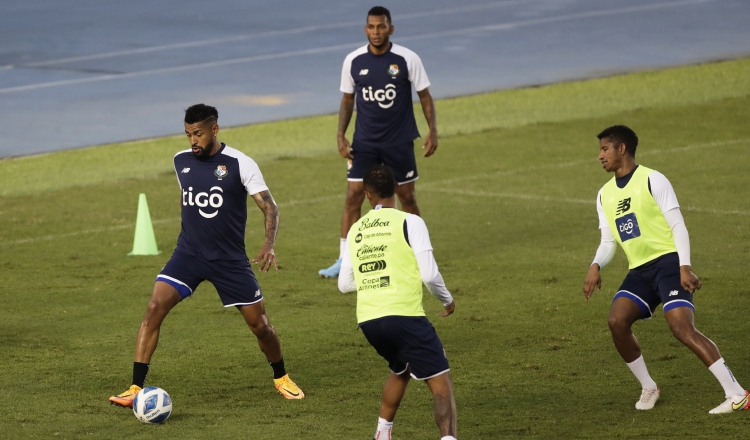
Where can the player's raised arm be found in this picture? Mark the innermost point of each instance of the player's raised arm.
(267, 204)
(428, 108)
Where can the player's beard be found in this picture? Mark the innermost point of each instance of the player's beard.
(204, 152)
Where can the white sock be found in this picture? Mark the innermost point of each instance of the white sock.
(638, 367)
(448, 437)
(342, 248)
(384, 429)
(721, 370)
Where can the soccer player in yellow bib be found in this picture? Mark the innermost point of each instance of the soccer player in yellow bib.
(639, 205)
(389, 257)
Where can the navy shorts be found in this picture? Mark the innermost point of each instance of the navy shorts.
(233, 279)
(656, 282)
(407, 342)
(398, 158)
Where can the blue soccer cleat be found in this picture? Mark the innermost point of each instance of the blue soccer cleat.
(331, 272)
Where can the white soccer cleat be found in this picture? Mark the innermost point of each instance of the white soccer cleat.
(648, 398)
(732, 404)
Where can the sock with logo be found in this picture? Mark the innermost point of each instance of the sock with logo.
(638, 367)
(726, 378)
(384, 429)
(342, 248)
(278, 369)
(140, 371)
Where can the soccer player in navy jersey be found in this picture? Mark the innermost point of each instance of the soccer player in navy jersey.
(214, 180)
(379, 77)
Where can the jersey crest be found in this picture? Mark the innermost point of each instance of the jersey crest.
(221, 171)
(393, 70)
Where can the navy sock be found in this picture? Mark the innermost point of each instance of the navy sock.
(278, 369)
(140, 371)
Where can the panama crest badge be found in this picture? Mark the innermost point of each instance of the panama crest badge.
(221, 171)
(393, 69)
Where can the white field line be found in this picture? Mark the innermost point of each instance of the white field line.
(83, 232)
(341, 47)
(159, 221)
(507, 195)
(246, 37)
(435, 187)
(554, 166)
(592, 202)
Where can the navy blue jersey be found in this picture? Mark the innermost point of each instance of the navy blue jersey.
(382, 87)
(214, 202)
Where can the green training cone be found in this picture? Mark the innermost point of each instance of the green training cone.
(144, 242)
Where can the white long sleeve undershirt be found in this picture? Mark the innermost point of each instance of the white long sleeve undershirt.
(606, 249)
(607, 246)
(665, 198)
(428, 270)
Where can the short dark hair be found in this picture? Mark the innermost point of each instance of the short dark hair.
(201, 112)
(378, 11)
(620, 134)
(379, 180)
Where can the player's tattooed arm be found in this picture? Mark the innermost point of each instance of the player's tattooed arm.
(266, 257)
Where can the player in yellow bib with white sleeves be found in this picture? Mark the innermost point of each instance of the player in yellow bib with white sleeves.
(638, 209)
(389, 257)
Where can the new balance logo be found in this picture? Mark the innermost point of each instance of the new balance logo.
(410, 174)
(185, 170)
(364, 71)
(673, 293)
(257, 293)
(623, 206)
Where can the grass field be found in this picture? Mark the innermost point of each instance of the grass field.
(509, 200)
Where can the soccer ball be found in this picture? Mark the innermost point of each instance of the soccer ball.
(152, 405)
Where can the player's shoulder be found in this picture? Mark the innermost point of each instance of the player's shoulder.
(653, 173)
(599, 197)
(242, 158)
(235, 153)
(415, 221)
(183, 154)
(658, 180)
(402, 51)
(355, 53)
